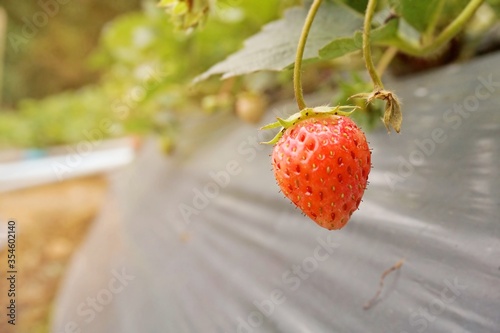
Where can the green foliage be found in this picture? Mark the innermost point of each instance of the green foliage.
(274, 47)
(358, 5)
(51, 121)
(423, 15)
(495, 5)
(147, 70)
(419, 14)
(149, 60)
(50, 56)
(186, 14)
(341, 46)
(336, 31)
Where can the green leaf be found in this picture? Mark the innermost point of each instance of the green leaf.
(358, 5)
(386, 32)
(452, 8)
(495, 6)
(417, 13)
(166, 3)
(341, 46)
(180, 8)
(274, 47)
(420, 14)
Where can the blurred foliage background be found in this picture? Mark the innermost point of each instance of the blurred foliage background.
(92, 64)
(54, 58)
(126, 67)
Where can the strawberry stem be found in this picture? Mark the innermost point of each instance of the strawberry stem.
(428, 47)
(367, 53)
(297, 79)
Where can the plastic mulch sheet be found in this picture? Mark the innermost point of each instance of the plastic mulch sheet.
(202, 241)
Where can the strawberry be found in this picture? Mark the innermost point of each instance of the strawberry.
(321, 162)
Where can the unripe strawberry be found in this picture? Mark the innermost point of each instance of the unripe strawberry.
(250, 107)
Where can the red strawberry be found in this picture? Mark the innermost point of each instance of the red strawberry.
(321, 163)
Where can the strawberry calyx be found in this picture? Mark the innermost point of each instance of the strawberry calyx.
(393, 116)
(305, 114)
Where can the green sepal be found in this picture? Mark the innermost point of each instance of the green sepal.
(393, 117)
(271, 126)
(275, 139)
(284, 123)
(304, 114)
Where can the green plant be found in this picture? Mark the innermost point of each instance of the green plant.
(312, 140)
(147, 52)
(339, 28)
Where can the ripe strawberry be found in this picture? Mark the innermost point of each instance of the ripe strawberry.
(321, 163)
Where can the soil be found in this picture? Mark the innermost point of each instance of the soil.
(51, 222)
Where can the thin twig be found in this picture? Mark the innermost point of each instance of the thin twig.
(372, 301)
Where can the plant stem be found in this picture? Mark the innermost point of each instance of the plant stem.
(297, 79)
(446, 35)
(428, 35)
(386, 59)
(454, 27)
(367, 53)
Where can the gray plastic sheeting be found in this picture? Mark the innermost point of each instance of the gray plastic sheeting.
(242, 259)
